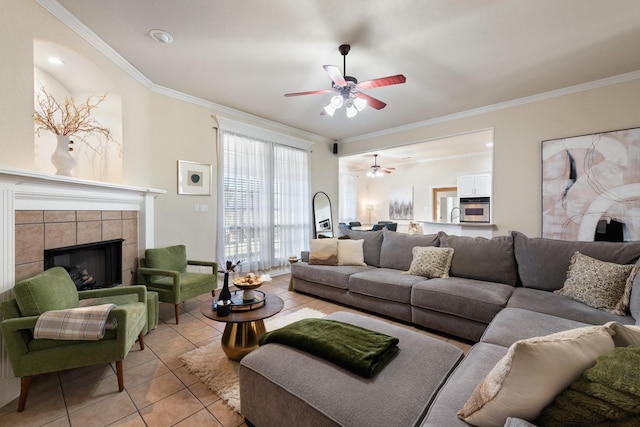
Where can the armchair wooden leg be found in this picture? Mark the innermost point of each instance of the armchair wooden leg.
(120, 373)
(25, 382)
(177, 307)
(141, 341)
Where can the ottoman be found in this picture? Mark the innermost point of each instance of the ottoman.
(280, 385)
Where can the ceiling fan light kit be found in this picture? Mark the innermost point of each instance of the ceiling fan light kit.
(348, 91)
(378, 171)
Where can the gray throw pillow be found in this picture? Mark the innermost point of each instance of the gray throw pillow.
(396, 251)
(372, 244)
(478, 258)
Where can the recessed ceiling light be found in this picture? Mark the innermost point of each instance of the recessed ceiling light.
(56, 61)
(161, 36)
(489, 144)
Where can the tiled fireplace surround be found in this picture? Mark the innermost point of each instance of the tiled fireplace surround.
(40, 230)
(39, 212)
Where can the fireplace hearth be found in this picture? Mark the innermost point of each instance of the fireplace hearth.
(91, 265)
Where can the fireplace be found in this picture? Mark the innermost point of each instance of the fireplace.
(90, 265)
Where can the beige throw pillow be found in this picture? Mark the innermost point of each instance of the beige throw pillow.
(323, 252)
(599, 284)
(625, 335)
(431, 261)
(351, 252)
(532, 373)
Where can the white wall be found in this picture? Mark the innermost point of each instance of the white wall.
(518, 132)
(423, 177)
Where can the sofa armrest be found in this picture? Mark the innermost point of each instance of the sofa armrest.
(141, 290)
(212, 264)
(147, 272)
(15, 332)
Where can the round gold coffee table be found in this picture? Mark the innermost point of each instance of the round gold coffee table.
(243, 328)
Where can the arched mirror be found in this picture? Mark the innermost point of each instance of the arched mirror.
(322, 215)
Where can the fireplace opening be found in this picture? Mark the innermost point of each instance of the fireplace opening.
(90, 265)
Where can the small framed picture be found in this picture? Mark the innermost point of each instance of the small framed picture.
(194, 178)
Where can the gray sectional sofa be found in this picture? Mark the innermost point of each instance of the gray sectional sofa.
(499, 291)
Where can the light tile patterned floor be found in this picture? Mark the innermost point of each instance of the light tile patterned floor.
(159, 391)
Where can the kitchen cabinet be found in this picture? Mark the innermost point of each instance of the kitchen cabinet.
(476, 185)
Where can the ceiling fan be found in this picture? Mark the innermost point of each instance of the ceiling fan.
(377, 170)
(348, 91)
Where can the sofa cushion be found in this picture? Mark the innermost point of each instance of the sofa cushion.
(479, 258)
(543, 263)
(397, 248)
(599, 284)
(625, 335)
(532, 373)
(52, 289)
(169, 258)
(605, 394)
(323, 252)
(514, 324)
(351, 252)
(557, 305)
(467, 298)
(384, 283)
(431, 262)
(329, 275)
(372, 244)
(460, 384)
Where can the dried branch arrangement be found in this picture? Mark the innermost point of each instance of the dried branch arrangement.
(70, 118)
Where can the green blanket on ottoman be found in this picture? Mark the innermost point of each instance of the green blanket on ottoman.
(357, 349)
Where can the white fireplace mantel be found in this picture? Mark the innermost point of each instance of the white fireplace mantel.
(27, 190)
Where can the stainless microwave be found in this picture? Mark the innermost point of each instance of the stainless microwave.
(475, 209)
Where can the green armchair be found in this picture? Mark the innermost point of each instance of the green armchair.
(53, 289)
(164, 270)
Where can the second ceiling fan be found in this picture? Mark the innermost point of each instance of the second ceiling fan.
(348, 91)
(377, 170)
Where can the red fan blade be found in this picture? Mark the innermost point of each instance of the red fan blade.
(335, 74)
(387, 170)
(311, 92)
(383, 81)
(371, 101)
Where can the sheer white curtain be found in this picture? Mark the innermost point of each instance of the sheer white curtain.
(348, 195)
(292, 203)
(264, 211)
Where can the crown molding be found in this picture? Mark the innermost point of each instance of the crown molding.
(634, 75)
(57, 10)
(76, 25)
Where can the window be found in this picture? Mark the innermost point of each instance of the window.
(265, 201)
(348, 207)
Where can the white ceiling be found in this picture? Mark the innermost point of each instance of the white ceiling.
(457, 55)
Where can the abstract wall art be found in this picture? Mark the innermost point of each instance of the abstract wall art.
(401, 203)
(591, 187)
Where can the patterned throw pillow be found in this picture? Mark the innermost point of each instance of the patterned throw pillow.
(602, 285)
(431, 261)
(323, 252)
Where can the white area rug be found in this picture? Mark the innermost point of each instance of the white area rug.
(211, 365)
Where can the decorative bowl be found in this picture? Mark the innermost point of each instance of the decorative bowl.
(243, 284)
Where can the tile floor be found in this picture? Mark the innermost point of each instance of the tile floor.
(159, 391)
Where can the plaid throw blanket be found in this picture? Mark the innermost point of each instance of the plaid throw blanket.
(83, 323)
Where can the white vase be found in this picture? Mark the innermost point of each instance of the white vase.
(62, 158)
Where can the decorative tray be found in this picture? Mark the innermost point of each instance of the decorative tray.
(239, 304)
